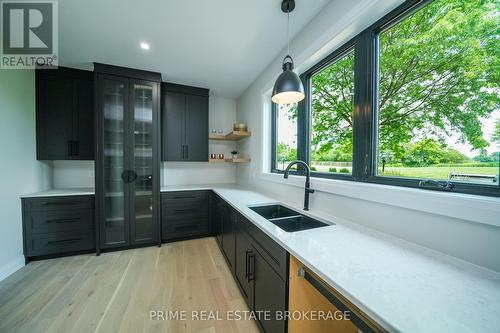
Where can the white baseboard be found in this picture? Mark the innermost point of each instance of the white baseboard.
(11, 267)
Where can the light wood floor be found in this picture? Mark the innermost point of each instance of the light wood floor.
(115, 292)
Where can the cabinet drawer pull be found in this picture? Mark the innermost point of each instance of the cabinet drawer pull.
(186, 228)
(64, 241)
(251, 266)
(62, 221)
(184, 210)
(184, 197)
(62, 203)
(247, 252)
(356, 318)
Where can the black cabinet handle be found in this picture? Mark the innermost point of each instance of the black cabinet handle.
(134, 176)
(251, 266)
(184, 197)
(184, 210)
(76, 149)
(125, 176)
(69, 147)
(247, 252)
(61, 203)
(62, 221)
(64, 241)
(186, 228)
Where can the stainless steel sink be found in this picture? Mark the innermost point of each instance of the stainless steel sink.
(287, 219)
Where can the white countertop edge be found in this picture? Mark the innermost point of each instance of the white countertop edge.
(61, 192)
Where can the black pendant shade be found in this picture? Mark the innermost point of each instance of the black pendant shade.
(288, 87)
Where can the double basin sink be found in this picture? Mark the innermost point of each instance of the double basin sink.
(287, 219)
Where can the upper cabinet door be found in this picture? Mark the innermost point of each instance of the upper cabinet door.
(184, 123)
(83, 120)
(196, 128)
(173, 126)
(54, 116)
(64, 114)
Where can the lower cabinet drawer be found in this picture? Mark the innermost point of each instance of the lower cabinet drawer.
(59, 243)
(184, 208)
(187, 228)
(58, 203)
(59, 221)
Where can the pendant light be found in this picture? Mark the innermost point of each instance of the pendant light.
(288, 87)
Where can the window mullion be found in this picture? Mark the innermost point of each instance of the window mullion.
(364, 96)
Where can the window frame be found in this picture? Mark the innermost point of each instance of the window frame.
(365, 120)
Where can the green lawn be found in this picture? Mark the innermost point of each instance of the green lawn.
(437, 172)
(431, 172)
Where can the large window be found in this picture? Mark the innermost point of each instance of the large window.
(414, 100)
(438, 94)
(332, 106)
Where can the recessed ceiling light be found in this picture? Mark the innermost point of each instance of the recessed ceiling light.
(144, 46)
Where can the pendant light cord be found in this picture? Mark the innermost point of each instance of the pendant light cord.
(288, 30)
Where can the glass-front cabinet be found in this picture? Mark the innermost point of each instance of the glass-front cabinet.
(127, 164)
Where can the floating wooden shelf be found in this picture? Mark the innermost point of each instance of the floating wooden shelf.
(239, 160)
(232, 160)
(231, 136)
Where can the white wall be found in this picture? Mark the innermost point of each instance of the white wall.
(21, 172)
(69, 174)
(222, 116)
(459, 237)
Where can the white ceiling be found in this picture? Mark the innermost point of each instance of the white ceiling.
(222, 45)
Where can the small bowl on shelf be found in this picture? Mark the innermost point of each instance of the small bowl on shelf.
(240, 127)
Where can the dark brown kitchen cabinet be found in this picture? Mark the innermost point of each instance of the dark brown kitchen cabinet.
(270, 293)
(128, 157)
(243, 255)
(185, 214)
(261, 272)
(184, 123)
(58, 225)
(64, 114)
(216, 218)
(228, 233)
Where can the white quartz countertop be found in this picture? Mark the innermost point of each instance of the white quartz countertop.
(60, 192)
(404, 287)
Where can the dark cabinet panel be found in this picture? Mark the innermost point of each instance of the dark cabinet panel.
(58, 225)
(185, 214)
(184, 123)
(243, 257)
(196, 128)
(54, 116)
(64, 114)
(269, 294)
(217, 218)
(83, 121)
(228, 233)
(173, 122)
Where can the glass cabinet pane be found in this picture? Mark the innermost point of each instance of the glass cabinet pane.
(114, 93)
(143, 162)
